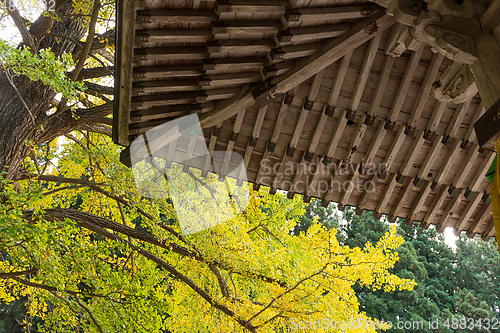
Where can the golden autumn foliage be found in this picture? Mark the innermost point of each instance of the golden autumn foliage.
(87, 251)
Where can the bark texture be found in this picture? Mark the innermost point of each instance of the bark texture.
(15, 121)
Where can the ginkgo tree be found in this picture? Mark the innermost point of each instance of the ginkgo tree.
(89, 253)
(86, 251)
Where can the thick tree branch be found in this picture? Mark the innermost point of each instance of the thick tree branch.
(88, 42)
(98, 128)
(20, 23)
(96, 72)
(9, 275)
(98, 90)
(99, 225)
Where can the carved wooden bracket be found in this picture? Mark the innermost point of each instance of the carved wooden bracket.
(456, 84)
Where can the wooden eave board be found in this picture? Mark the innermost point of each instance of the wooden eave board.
(189, 74)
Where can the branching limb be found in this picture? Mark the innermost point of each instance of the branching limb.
(20, 23)
(19, 273)
(98, 128)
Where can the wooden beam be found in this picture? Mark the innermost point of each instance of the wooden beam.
(230, 145)
(164, 86)
(170, 53)
(239, 46)
(393, 151)
(481, 216)
(163, 72)
(255, 6)
(252, 142)
(207, 167)
(480, 174)
(410, 157)
(447, 163)
(404, 86)
(435, 206)
(338, 81)
(175, 16)
(380, 90)
(307, 106)
(245, 64)
(366, 67)
(464, 168)
(398, 206)
(353, 145)
(424, 92)
(429, 160)
(375, 143)
(441, 225)
(285, 103)
(364, 197)
(244, 26)
(456, 120)
(333, 51)
(124, 52)
(293, 52)
(328, 13)
(489, 20)
(386, 194)
(159, 36)
(467, 213)
(311, 33)
(433, 123)
(418, 203)
(489, 231)
(470, 135)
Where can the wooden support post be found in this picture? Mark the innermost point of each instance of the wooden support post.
(486, 72)
(393, 151)
(464, 169)
(353, 145)
(253, 140)
(479, 176)
(470, 135)
(285, 103)
(404, 86)
(433, 123)
(410, 157)
(380, 90)
(419, 203)
(364, 197)
(230, 145)
(429, 160)
(364, 73)
(456, 120)
(389, 187)
(483, 215)
(435, 206)
(489, 231)
(444, 218)
(397, 207)
(308, 105)
(466, 214)
(447, 163)
(424, 92)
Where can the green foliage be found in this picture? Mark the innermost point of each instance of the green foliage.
(43, 66)
(462, 284)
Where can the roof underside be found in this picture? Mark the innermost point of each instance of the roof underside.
(188, 56)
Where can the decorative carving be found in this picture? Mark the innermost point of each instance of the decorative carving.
(455, 85)
(371, 28)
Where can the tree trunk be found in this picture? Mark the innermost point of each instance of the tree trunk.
(15, 121)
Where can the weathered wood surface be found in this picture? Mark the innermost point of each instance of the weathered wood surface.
(305, 89)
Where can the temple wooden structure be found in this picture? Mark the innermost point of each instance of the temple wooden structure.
(311, 92)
